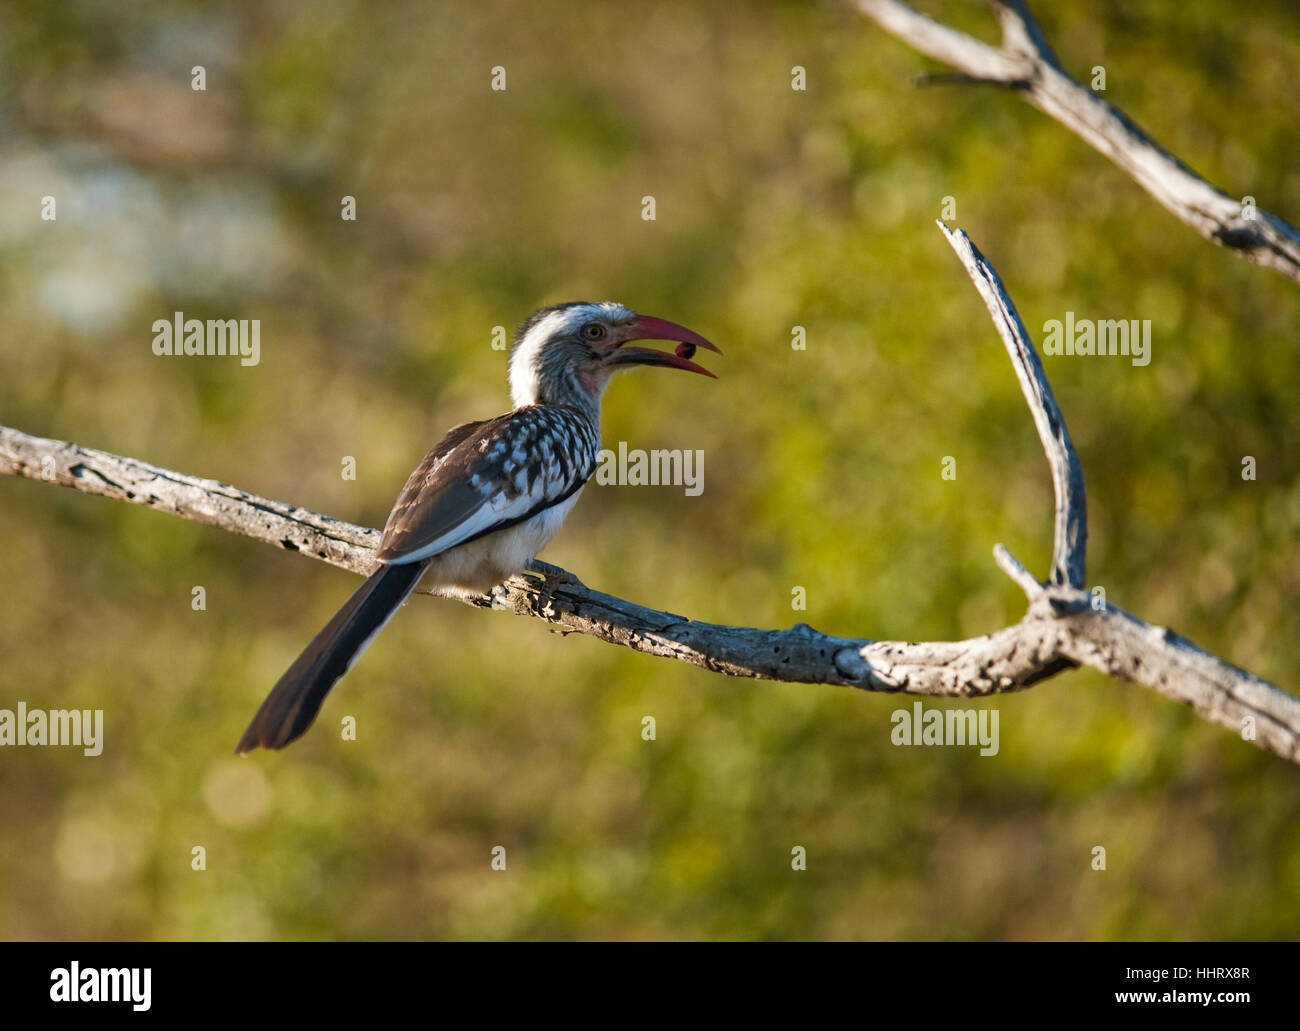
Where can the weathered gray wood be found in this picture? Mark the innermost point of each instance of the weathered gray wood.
(1026, 64)
(1060, 630)
(1070, 541)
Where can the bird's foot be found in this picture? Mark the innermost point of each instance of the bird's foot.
(551, 579)
(554, 574)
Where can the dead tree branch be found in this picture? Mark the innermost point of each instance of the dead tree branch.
(1062, 628)
(1025, 63)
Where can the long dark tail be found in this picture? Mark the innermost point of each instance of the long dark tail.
(293, 703)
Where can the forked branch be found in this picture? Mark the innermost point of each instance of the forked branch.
(1062, 628)
(1025, 63)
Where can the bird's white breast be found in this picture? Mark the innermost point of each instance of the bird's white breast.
(478, 566)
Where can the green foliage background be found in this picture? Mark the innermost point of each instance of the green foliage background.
(775, 208)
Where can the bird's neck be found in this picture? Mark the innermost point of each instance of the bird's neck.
(568, 392)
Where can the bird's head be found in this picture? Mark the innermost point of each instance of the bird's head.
(565, 354)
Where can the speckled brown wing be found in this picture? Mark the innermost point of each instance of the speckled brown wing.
(424, 482)
(483, 477)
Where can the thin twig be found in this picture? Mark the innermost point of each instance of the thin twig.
(1070, 541)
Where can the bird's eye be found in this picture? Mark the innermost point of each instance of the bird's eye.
(593, 331)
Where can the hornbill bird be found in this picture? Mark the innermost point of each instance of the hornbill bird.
(490, 494)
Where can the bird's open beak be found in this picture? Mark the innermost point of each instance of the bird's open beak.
(647, 327)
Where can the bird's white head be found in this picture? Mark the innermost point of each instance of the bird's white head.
(566, 354)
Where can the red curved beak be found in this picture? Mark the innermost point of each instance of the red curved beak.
(647, 327)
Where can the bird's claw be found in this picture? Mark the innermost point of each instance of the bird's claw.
(552, 578)
(553, 574)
